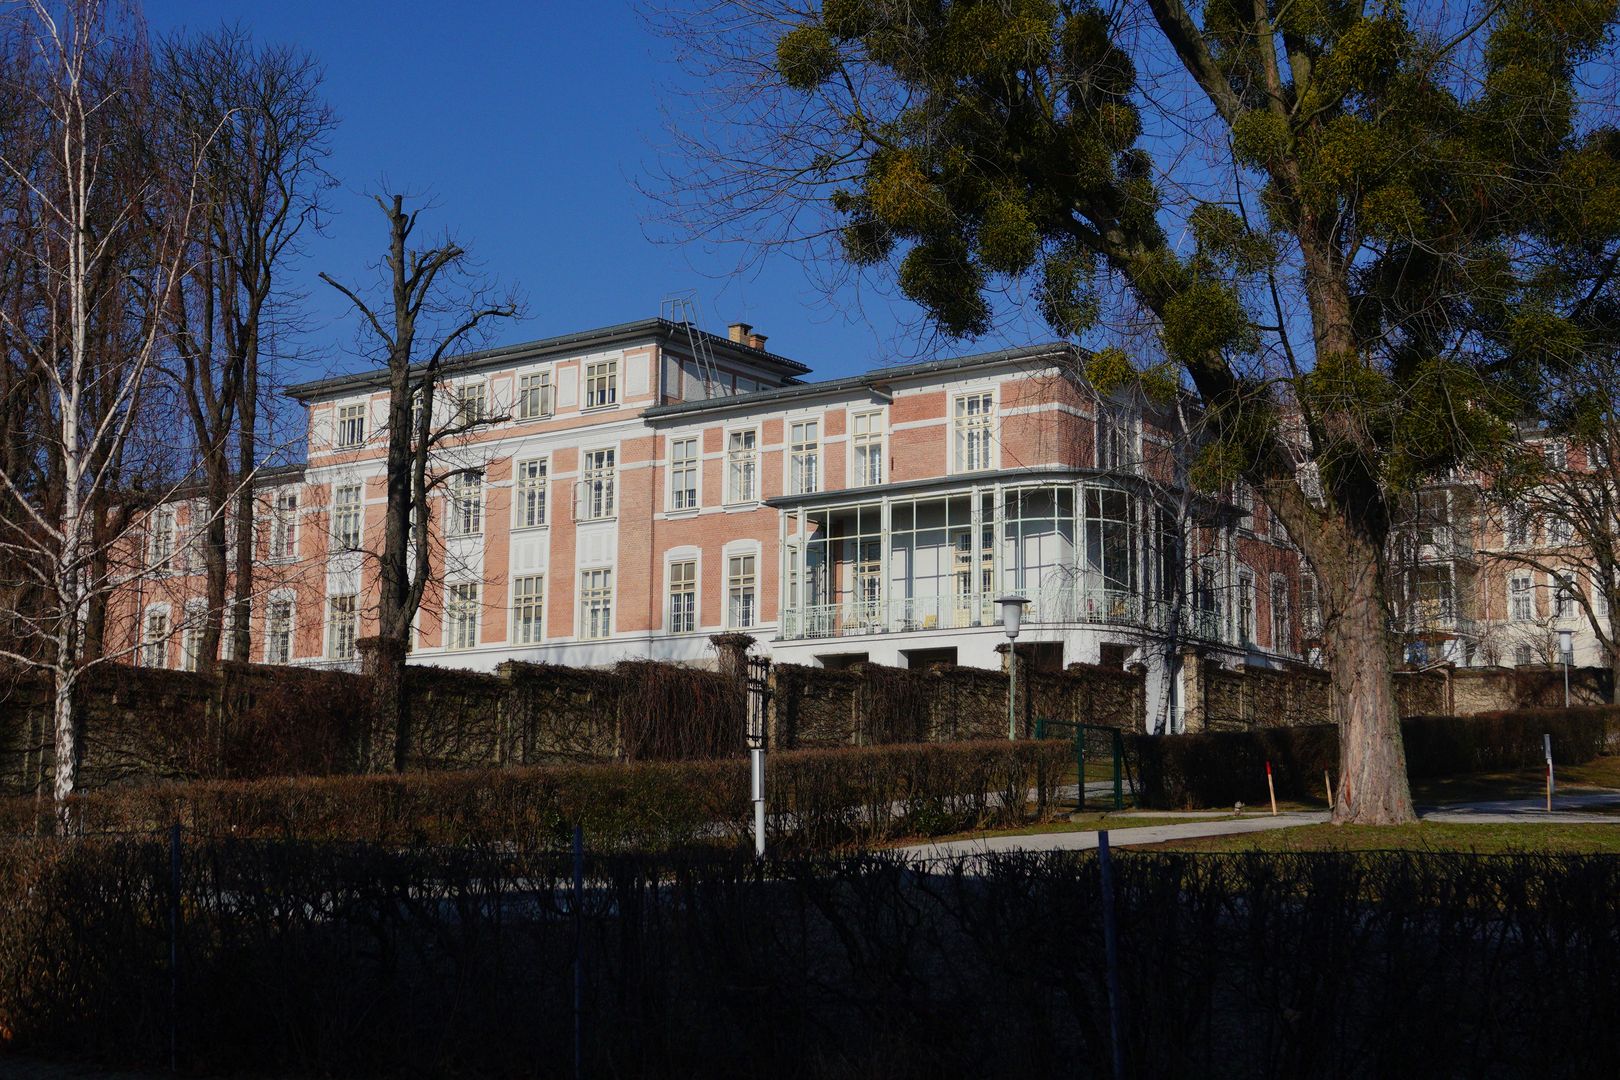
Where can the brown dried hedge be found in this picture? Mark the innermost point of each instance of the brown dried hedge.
(817, 799)
(1217, 769)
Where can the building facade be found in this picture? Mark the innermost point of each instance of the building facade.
(627, 492)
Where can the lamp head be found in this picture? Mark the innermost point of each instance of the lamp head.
(1566, 643)
(1012, 613)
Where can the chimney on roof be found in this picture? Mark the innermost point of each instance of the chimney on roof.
(756, 341)
(739, 331)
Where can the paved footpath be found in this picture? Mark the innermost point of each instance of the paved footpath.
(1085, 840)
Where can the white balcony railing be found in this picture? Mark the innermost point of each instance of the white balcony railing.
(1054, 605)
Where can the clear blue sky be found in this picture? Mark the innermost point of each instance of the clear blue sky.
(529, 123)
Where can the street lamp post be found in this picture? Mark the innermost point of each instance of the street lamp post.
(1012, 614)
(1566, 646)
(758, 682)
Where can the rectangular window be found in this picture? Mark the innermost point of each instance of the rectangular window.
(160, 538)
(1559, 532)
(466, 504)
(1564, 596)
(1523, 654)
(461, 610)
(804, 466)
(683, 474)
(1282, 637)
(471, 405)
(1555, 453)
(866, 438)
(1243, 499)
(1115, 444)
(1310, 605)
(1245, 613)
(1518, 527)
(741, 588)
(595, 604)
(534, 396)
(347, 518)
(191, 633)
(742, 466)
(528, 609)
(596, 487)
(351, 425)
(683, 597)
(284, 526)
(970, 427)
(155, 641)
(601, 384)
(342, 626)
(278, 632)
(529, 501)
(1521, 598)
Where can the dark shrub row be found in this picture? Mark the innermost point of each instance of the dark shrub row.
(817, 798)
(359, 960)
(1217, 769)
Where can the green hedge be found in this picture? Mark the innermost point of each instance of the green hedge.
(1217, 769)
(817, 798)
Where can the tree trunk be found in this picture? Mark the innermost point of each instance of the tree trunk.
(246, 507)
(216, 564)
(1372, 788)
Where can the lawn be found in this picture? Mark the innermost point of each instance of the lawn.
(1088, 822)
(1485, 839)
(1598, 774)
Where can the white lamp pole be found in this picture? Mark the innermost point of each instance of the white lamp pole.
(1566, 646)
(1012, 614)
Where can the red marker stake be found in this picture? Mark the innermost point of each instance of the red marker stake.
(1271, 787)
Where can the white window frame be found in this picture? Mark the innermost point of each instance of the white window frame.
(1282, 641)
(343, 513)
(341, 640)
(596, 586)
(1244, 609)
(535, 398)
(193, 622)
(465, 493)
(1118, 447)
(742, 467)
(968, 428)
(274, 601)
(1560, 533)
(803, 455)
(471, 403)
(673, 625)
(598, 498)
(1565, 595)
(531, 497)
(1521, 590)
(681, 467)
(161, 529)
(528, 609)
(742, 588)
(349, 426)
(463, 611)
(1516, 531)
(284, 526)
(155, 647)
(862, 443)
(601, 385)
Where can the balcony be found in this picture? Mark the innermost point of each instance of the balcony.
(1063, 605)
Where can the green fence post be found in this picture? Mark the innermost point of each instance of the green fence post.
(1040, 728)
(1119, 764)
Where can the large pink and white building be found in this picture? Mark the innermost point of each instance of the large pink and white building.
(629, 491)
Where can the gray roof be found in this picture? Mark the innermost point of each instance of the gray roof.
(874, 379)
(562, 343)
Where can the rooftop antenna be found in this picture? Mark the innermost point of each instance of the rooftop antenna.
(681, 309)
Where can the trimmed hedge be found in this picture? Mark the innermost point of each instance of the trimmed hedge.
(817, 799)
(1217, 769)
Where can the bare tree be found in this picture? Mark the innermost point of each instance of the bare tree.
(255, 118)
(434, 308)
(105, 239)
